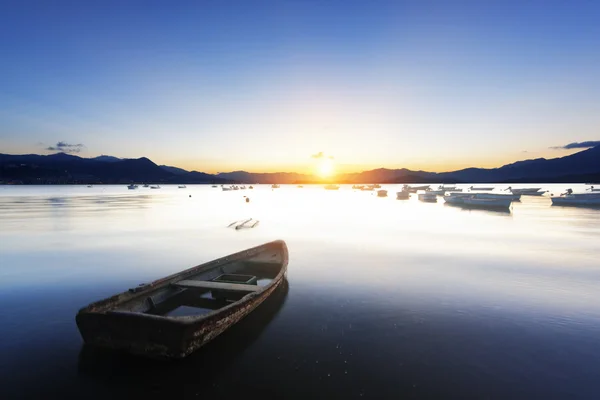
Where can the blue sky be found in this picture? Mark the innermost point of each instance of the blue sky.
(224, 85)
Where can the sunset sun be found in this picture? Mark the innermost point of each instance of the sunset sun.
(325, 168)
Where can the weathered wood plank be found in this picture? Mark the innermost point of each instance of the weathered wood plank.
(234, 287)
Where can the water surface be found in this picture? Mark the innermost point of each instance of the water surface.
(385, 298)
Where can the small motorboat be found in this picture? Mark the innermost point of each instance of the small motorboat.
(594, 189)
(155, 187)
(358, 187)
(132, 187)
(590, 199)
(332, 187)
(176, 315)
(376, 186)
(145, 185)
(250, 187)
(414, 189)
(300, 186)
(528, 191)
(507, 194)
(274, 186)
(449, 188)
(382, 193)
(182, 187)
(367, 188)
(404, 194)
(214, 186)
(481, 188)
(89, 186)
(428, 197)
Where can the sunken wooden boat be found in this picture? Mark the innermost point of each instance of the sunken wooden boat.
(176, 315)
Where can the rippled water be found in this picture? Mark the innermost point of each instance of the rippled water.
(385, 298)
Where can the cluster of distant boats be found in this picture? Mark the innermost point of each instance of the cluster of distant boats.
(234, 187)
(473, 196)
(484, 196)
(488, 197)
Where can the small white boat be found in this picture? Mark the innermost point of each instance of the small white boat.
(481, 188)
(382, 193)
(274, 186)
(404, 194)
(428, 197)
(243, 187)
(528, 191)
(155, 187)
(132, 187)
(146, 185)
(499, 195)
(226, 189)
(414, 189)
(332, 187)
(449, 188)
(456, 197)
(376, 186)
(214, 186)
(89, 186)
(367, 188)
(594, 189)
(358, 187)
(182, 186)
(577, 199)
(300, 186)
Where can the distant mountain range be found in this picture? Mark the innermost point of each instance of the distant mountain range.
(582, 167)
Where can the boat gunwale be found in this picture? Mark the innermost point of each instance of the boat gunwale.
(119, 298)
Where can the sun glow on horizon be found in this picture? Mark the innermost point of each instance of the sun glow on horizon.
(325, 168)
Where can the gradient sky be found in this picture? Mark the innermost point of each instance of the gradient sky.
(263, 85)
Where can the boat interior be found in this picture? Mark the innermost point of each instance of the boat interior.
(206, 288)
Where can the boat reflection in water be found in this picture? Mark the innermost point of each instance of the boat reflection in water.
(196, 373)
(489, 210)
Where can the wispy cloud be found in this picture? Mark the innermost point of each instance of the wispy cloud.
(578, 145)
(320, 155)
(65, 147)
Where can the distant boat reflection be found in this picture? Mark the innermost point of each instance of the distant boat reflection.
(199, 368)
(491, 210)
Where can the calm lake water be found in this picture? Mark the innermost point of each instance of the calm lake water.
(385, 298)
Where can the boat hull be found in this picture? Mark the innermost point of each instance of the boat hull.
(568, 201)
(486, 203)
(159, 336)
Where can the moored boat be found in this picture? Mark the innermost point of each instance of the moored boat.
(132, 187)
(427, 197)
(482, 188)
(404, 194)
(577, 199)
(155, 187)
(331, 186)
(174, 316)
(274, 186)
(414, 189)
(182, 187)
(528, 191)
(382, 193)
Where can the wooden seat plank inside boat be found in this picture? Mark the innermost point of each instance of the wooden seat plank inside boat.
(206, 285)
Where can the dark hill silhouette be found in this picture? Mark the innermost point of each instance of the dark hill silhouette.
(66, 168)
(583, 166)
